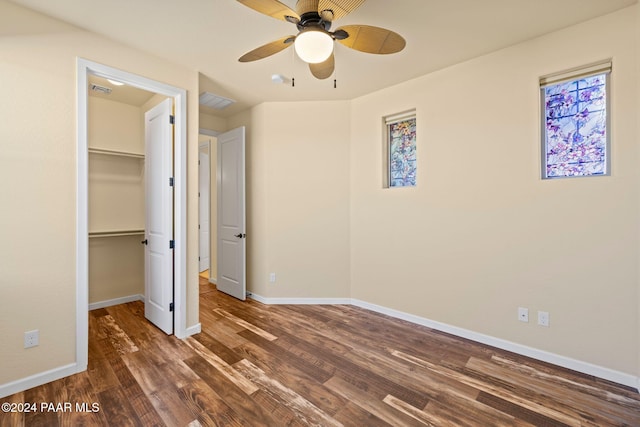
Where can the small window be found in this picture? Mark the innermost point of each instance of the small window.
(575, 127)
(400, 147)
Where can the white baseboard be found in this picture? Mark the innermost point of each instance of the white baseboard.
(195, 329)
(192, 330)
(299, 301)
(545, 356)
(115, 301)
(38, 379)
(213, 280)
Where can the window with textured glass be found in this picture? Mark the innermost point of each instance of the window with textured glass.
(575, 126)
(401, 150)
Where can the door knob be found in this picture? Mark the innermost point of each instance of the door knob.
(240, 236)
(145, 242)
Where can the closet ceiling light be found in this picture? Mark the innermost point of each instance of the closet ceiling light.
(100, 89)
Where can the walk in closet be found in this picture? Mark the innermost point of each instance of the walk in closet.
(116, 193)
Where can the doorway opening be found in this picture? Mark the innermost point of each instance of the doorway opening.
(222, 210)
(207, 208)
(86, 69)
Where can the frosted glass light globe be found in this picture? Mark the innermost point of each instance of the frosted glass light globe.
(314, 46)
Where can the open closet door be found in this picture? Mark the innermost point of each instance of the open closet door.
(158, 258)
(231, 214)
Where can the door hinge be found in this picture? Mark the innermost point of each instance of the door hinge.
(171, 181)
(172, 120)
(198, 258)
(172, 244)
(170, 306)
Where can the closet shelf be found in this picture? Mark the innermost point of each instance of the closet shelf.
(115, 153)
(116, 233)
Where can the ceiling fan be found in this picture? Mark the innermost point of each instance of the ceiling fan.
(314, 41)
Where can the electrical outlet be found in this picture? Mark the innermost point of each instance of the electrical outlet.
(31, 338)
(523, 314)
(543, 318)
(272, 277)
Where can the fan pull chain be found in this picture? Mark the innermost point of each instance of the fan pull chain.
(293, 67)
(335, 71)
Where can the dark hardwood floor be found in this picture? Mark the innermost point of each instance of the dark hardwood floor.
(257, 365)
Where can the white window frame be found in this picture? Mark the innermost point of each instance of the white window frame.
(387, 121)
(601, 67)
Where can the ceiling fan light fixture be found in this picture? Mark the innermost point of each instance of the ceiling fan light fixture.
(314, 45)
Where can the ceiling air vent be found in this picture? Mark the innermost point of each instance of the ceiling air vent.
(100, 89)
(217, 102)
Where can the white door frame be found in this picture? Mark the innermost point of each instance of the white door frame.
(207, 146)
(84, 69)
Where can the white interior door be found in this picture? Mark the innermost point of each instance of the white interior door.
(231, 237)
(203, 199)
(158, 307)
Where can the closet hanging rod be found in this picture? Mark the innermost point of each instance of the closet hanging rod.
(115, 153)
(116, 233)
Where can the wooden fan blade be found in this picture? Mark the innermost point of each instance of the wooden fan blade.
(366, 38)
(324, 69)
(272, 8)
(330, 10)
(268, 49)
(305, 6)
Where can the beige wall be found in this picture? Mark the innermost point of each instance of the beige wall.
(298, 199)
(115, 125)
(116, 200)
(211, 122)
(38, 137)
(116, 268)
(482, 234)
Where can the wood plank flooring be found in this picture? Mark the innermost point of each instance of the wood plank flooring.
(257, 365)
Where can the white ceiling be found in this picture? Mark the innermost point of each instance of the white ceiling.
(124, 94)
(210, 35)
